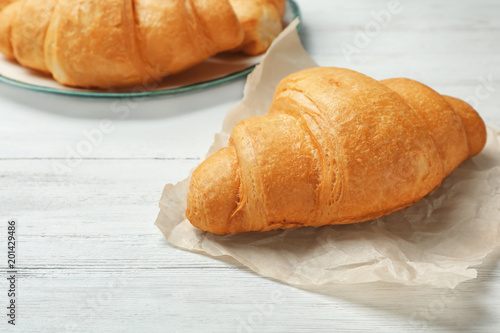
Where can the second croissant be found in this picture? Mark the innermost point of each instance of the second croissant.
(120, 43)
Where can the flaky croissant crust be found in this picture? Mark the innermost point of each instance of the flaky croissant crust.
(336, 147)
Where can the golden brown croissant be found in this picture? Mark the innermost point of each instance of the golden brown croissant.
(113, 43)
(336, 147)
(261, 21)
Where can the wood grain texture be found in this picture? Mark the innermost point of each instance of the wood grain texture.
(90, 258)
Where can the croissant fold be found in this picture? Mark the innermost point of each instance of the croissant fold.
(336, 147)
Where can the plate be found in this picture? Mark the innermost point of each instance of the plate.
(214, 71)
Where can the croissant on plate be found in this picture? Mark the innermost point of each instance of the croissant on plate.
(117, 43)
(336, 147)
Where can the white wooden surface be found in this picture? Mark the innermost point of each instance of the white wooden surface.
(90, 258)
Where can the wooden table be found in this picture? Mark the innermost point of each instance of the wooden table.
(83, 177)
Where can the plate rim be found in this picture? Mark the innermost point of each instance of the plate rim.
(294, 7)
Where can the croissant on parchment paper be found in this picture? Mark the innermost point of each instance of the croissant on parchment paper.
(118, 43)
(336, 147)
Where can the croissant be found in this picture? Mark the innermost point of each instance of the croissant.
(261, 21)
(114, 43)
(336, 147)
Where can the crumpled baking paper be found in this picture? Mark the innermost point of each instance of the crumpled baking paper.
(435, 242)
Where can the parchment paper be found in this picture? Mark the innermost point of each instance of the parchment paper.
(434, 242)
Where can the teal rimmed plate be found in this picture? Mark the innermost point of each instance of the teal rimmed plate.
(214, 71)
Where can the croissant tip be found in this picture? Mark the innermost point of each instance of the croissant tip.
(213, 193)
